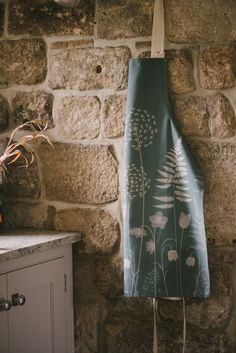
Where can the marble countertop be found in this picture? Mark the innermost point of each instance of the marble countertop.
(18, 243)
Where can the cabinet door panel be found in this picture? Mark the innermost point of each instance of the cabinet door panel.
(3, 317)
(39, 325)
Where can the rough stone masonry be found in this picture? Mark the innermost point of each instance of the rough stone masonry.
(69, 66)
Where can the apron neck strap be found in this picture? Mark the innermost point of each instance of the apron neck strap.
(158, 31)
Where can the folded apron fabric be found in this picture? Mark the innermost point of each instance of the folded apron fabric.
(165, 252)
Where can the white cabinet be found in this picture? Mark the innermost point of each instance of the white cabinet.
(39, 290)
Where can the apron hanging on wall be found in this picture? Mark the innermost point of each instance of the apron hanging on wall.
(165, 252)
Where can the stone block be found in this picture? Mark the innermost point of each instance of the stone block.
(191, 21)
(99, 229)
(114, 115)
(4, 113)
(22, 61)
(47, 18)
(89, 68)
(216, 68)
(22, 182)
(72, 44)
(192, 115)
(83, 277)
(124, 19)
(217, 161)
(222, 120)
(109, 276)
(2, 10)
(87, 317)
(180, 71)
(25, 215)
(126, 334)
(76, 173)
(36, 105)
(210, 313)
(78, 117)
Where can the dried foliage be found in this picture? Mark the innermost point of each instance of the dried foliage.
(17, 148)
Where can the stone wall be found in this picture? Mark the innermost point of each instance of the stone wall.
(69, 66)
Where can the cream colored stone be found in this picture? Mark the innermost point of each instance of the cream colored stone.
(192, 115)
(222, 120)
(217, 161)
(180, 71)
(99, 229)
(79, 117)
(114, 115)
(89, 68)
(216, 68)
(76, 173)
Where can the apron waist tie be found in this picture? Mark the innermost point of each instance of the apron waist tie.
(155, 307)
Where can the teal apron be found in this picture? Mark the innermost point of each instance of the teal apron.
(165, 252)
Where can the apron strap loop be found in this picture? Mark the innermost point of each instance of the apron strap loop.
(155, 309)
(158, 31)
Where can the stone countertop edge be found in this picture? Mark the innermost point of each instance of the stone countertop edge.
(18, 243)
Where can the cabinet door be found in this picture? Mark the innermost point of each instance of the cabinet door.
(39, 325)
(3, 317)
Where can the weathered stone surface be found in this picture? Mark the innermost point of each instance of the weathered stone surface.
(109, 276)
(124, 19)
(180, 71)
(36, 105)
(79, 117)
(206, 116)
(139, 308)
(87, 327)
(218, 164)
(192, 116)
(222, 120)
(90, 68)
(191, 21)
(22, 182)
(126, 335)
(22, 61)
(83, 276)
(210, 313)
(48, 18)
(4, 113)
(25, 215)
(71, 44)
(216, 68)
(99, 229)
(114, 115)
(2, 9)
(75, 173)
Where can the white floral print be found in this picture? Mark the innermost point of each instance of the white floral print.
(158, 220)
(150, 247)
(184, 220)
(138, 232)
(172, 255)
(190, 261)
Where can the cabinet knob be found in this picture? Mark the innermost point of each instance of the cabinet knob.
(17, 299)
(5, 305)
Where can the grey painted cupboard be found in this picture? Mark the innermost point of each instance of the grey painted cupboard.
(36, 306)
